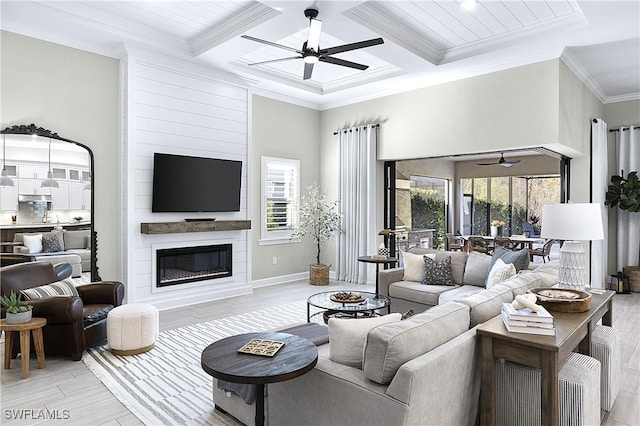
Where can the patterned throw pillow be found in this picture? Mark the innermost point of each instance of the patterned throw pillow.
(437, 272)
(51, 243)
(60, 288)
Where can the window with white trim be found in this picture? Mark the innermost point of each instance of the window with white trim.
(280, 196)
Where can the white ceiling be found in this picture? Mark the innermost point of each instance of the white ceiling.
(426, 42)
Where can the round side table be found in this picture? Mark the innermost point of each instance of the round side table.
(25, 329)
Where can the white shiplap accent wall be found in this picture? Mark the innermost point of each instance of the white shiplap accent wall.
(179, 109)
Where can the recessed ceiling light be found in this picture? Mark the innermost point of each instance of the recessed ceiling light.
(468, 4)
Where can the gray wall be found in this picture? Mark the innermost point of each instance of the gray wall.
(75, 94)
(280, 129)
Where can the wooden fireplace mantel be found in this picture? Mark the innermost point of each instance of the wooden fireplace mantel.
(199, 226)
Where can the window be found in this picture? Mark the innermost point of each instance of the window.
(280, 195)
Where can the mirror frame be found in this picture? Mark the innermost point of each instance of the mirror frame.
(32, 129)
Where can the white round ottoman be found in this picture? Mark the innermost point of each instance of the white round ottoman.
(132, 329)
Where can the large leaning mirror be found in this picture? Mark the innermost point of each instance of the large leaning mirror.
(46, 195)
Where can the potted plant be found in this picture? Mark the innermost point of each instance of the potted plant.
(319, 220)
(18, 311)
(624, 193)
(496, 227)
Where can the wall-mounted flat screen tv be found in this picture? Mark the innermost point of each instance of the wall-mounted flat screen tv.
(195, 184)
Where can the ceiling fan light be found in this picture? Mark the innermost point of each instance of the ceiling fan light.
(6, 180)
(469, 4)
(310, 59)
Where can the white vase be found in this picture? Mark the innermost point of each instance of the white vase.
(495, 230)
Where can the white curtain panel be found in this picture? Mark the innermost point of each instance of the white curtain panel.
(357, 195)
(627, 140)
(599, 178)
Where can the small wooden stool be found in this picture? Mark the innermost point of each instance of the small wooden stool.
(25, 330)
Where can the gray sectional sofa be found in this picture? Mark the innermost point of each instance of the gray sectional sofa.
(419, 371)
(75, 249)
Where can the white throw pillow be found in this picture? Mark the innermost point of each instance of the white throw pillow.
(414, 266)
(347, 337)
(500, 272)
(33, 243)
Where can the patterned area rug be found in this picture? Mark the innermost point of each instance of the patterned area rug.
(167, 386)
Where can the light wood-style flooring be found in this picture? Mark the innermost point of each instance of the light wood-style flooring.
(69, 391)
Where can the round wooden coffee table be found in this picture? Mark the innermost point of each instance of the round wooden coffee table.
(222, 360)
(25, 329)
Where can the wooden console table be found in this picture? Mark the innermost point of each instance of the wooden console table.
(547, 353)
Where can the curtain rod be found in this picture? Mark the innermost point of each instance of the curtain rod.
(623, 128)
(345, 130)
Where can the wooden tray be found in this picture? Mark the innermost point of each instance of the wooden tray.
(354, 299)
(262, 347)
(563, 299)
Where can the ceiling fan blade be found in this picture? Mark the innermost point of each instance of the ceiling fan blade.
(313, 42)
(276, 60)
(487, 164)
(351, 46)
(270, 43)
(336, 61)
(308, 69)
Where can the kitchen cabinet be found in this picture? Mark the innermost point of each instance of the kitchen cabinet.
(9, 197)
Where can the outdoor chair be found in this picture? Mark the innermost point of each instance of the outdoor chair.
(543, 251)
(453, 243)
(506, 243)
(479, 244)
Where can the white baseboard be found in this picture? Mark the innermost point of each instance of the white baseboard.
(300, 276)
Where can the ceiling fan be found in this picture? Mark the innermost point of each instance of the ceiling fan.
(501, 162)
(311, 52)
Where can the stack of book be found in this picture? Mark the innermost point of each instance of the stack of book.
(527, 321)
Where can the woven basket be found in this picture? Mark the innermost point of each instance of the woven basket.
(319, 274)
(633, 273)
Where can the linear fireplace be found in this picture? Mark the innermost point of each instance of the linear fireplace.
(188, 264)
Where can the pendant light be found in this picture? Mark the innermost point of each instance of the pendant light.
(4, 179)
(49, 182)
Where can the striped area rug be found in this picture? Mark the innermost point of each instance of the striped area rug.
(167, 386)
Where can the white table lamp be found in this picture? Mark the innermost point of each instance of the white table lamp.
(572, 222)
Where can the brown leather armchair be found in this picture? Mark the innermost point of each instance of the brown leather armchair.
(73, 323)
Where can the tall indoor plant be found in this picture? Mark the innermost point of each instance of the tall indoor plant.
(319, 221)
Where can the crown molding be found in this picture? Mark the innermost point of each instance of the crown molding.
(577, 68)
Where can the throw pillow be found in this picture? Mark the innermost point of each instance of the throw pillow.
(437, 272)
(476, 269)
(519, 258)
(414, 266)
(33, 243)
(347, 337)
(60, 288)
(51, 243)
(500, 272)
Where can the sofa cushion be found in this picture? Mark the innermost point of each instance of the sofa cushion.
(500, 272)
(487, 303)
(52, 242)
(458, 260)
(60, 288)
(414, 266)
(523, 282)
(389, 346)
(417, 292)
(33, 243)
(75, 239)
(347, 336)
(437, 272)
(548, 273)
(519, 258)
(458, 293)
(476, 269)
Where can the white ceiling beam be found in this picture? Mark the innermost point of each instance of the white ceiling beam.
(253, 15)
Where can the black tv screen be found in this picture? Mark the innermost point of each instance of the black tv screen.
(195, 184)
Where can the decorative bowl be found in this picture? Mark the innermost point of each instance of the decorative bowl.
(563, 299)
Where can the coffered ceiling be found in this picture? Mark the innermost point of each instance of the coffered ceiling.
(425, 42)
